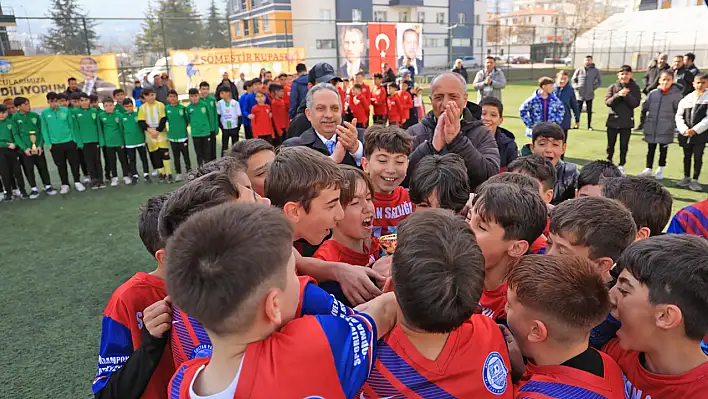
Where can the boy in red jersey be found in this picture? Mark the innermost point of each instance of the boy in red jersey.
(261, 119)
(366, 91)
(439, 348)
(553, 303)
(280, 112)
(358, 105)
(440, 181)
(246, 297)
(648, 200)
(351, 241)
(596, 228)
(386, 151)
(133, 361)
(503, 236)
(394, 107)
(378, 99)
(406, 102)
(661, 298)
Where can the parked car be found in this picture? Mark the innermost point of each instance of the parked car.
(521, 60)
(469, 61)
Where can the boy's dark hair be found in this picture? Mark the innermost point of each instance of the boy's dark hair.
(78, 96)
(247, 84)
(406, 82)
(545, 81)
(701, 76)
(690, 56)
(275, 88)
(118, 91)
(667, 72)
(62, 96)
(388, 138)
(357, 86)
(127, 101)
(205, 192)
(147, 91)
(246, 148)
(3, 108)
(20, 101)
(107, 100)
(172, 92)
(547, 130)
(266, 82)
(255, 80)
(51, 96)
(595, 171)
(224, 89)
(674, 269)
(299, 174)
(228, 165)
(378, 76)
(300, 68)
(492, 102)
(516, 179)
(193, 91)
(350, 176)
(217, 273)
(70, 79)
(625, 68)
(395, 86)
(603, 225)
(520, 212)
(437, 270)
(359, 73)
(647, 199)
(567, 288)
(148, 222)
(93, 98)
(137, 81)
(442, 175)
(537, 167)
(203, 84)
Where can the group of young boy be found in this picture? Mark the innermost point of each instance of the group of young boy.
(496, 293)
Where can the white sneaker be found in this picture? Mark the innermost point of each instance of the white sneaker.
(179, 177)
(621, 169)
(114, 182)
(659, 173)
(79, 187)
(694, 186)
(64, 189)
(87, 180)
(50, 190)
(34, 193)
(684, 182)
(155, 173)
(127, 180)
(16, 193)
(646, 173)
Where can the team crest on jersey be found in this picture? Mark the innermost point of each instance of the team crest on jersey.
(203, 350)
(117, 119)
(181, 113)
(94, 116)
(494, 374)
(203, 110)
(34, 120)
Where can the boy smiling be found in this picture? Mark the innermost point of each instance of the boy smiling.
(548, 141)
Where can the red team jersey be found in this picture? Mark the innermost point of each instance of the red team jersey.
(286, 88)
(335, 349)
(641, 383)
(378, 99)
(121, 332)
(390, 210)
(493, 303)
(395, 112)
(280, 115)
(343, 99)
(359, 108)
(474, 363)
(406, 103)
(692, 219)
(564, 382)
(261, 124)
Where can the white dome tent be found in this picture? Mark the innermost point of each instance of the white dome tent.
(635, 38)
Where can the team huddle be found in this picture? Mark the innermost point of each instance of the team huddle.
(490, 290)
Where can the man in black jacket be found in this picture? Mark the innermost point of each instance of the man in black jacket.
(622, 98)
(320, 73)
(682, 76)
(389, 75)
(342, 141)
(452, 127)
(228, 83)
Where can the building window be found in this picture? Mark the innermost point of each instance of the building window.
(256, 27)
(325, 15)
(325, 44)
(476, 19)
(356, 15)
(543, 19)
(431, 42)
(528, 19)
(235, 6)
(244, 5)
(380, 16)
(440, 17)
(403, 16)
(237, 28)
(266, 23)
(461, 42)
(421, 16)
(461, 18)
(246, 27)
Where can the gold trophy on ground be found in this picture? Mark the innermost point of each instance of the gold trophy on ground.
(33, 139)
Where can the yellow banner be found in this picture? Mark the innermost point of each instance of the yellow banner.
(33, 77)
(190, 67)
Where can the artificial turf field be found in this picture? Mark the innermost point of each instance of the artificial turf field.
(61, 258)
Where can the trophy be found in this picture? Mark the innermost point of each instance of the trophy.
(389, 244)
(33, 139)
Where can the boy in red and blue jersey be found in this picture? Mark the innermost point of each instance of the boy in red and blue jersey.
(692, 219)
(504, 236)
(439, 348)
(386, 151)
(246, 297)
(660, 299)
(554, 301)
(132, 362)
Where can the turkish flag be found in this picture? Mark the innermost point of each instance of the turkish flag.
(382, 46)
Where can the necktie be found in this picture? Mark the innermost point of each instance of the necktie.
(330, 146)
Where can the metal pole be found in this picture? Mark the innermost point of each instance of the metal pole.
(609, 51)
(695, 42)
(88, 42)
(653, 40)
(639, 50)
(575, 40)
(533, 43)
(164, 43)
(624, 55)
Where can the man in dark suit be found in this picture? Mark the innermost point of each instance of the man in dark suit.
(343, 142)
(93, 84)
(353, 46)
(410, 41)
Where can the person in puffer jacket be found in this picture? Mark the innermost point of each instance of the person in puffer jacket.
(548, 141)
(543, 106)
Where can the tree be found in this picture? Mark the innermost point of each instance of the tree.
(170, 24)
(216, 28)
(72, 32)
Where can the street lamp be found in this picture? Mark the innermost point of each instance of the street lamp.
(449, 42)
